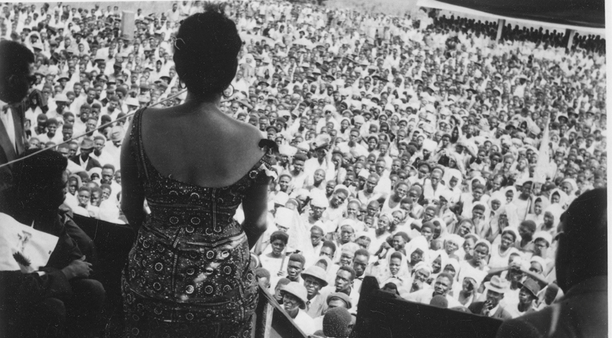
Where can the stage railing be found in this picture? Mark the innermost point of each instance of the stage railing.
(385, 315)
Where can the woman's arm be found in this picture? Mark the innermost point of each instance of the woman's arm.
(132, 193)
(255, 207)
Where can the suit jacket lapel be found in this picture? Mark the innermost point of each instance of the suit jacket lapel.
(6, 144)
(499, 312)
(19, 134)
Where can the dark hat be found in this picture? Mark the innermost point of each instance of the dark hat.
(342, 296)
(87, 143)
(262, 273)
(429, 225)
(424, 164)
(532, 286)
(301, 157)
(479, 206)
(529, 224)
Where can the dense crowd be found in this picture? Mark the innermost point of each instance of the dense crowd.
(414, 148)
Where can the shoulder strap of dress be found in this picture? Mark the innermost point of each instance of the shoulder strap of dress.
(269, 147)
(137, 143)
(265, 172)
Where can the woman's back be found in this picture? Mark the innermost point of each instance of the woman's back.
(190, 253)
(199, 145)
(189, 271)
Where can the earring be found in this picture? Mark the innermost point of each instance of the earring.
(229, 91)
(176, 45)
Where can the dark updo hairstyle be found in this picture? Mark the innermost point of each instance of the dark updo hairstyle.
(206, 52)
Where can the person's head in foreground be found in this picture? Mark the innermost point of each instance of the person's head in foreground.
(41, 182)
(338, 323)
(582, 251)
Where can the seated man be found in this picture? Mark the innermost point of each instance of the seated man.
(59, 297)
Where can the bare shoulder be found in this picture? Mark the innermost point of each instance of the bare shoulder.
(245, 139)
(245, 132)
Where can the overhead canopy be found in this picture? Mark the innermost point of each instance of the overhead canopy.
(586, 13)
(521, 21)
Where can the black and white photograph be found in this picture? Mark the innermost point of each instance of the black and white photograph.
(303, 168)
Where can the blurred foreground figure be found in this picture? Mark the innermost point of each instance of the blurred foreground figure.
(582, 273)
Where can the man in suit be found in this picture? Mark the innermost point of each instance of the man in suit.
(16, 76)
(83, 159)
(496, 289)
(582, 273)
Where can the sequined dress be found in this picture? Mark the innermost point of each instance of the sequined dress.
(188, 273)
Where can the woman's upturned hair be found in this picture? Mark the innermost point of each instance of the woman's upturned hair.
(206, 51)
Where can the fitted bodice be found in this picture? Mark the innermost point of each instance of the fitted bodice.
(189, 248)
(205, 214)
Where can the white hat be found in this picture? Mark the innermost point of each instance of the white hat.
(281, 198)
(342, 187)
(454, 238)
(316, 272)
(498, 284)
(347, 221)
(132, 101)
(319, 200)
(304, 146)
(476, 275)
(539, 260)
(350, 247)
(545, 235)
(423, 266)
(284, 217)
(287, 150)
(298, 290)
(364, 234)
(61, 98)
(365, 173)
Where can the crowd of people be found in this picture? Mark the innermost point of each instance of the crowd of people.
(412, 148)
